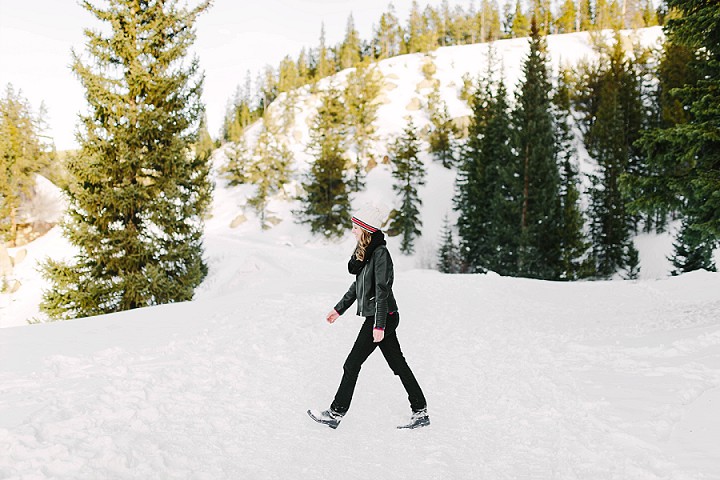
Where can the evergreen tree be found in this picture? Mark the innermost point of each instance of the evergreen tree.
(520, 23)
(23, 153)
(612, 122)
(326, 203)
(488, 192)
(417, 35)
(684, 158)
(693, 249)
(448, 255)
(269, 168)
(442, 135)
(409, 173)
(573, 244)
(540, 218)
(585, 15)
(323, 63)
(138, 194)
(239, 158)
(567, 18)
(361, 93)
(388, 35)
(350, 47)
(204, 146)
(541, 12)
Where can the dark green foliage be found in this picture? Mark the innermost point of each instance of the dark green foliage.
(684, 153)
(541, 227)
(573, 244)
(409, 173)
(138, 193)
(449, 260)
(611, 105)
(326, 203)
(488, 191)
(693, 250)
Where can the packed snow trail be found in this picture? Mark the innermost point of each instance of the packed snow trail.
(524, 379)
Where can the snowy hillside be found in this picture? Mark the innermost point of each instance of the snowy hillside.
(525, 379)
(405, 90)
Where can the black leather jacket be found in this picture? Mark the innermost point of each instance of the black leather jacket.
(372, 289)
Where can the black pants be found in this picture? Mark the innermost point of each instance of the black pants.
(390, 348)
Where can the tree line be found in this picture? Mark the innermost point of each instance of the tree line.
(424, 30)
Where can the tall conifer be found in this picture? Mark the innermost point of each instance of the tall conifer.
(540, 216)
(139, 193)
(409, 174)
(326, 202)
(684, 158)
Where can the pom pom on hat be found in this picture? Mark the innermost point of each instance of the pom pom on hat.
(370, 217)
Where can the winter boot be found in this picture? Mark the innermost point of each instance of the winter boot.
(329, 417)
(418, 419)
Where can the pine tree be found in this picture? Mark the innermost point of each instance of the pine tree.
(139, 195)
(326, 202)
(442, 135)
(409, 173)
(23, 154)
(239, 158)
(388, 35)
(269, 168)
(418, 37)
(540, 219)
(684, 158)
(323, 63)
(567, 18)
(488, 192)
(585, 15)
(448, 255)
(693, 249)
(520, 23)
(350, 47)
(612, 123)
(541, 12)
(573, 244)
(361, 93)
(204, 146)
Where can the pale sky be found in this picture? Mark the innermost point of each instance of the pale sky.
(234, 36)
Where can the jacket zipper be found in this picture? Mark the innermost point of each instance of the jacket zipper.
(362, 296)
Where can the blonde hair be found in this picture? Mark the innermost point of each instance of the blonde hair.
(362, 245)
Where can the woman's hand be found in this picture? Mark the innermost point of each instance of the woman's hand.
(378, 335)
(332, 316)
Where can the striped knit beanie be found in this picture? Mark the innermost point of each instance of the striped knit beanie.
(370, 217)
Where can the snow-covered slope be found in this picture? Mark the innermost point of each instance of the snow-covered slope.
(405, 88)
(524, 378)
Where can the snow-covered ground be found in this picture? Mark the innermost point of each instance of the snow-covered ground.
(525, 379)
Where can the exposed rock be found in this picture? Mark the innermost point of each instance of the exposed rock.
(6, 263)
(414, 105)
(19, 256)
(427, 83)
(239, 220)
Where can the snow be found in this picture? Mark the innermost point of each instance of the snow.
(525, 379)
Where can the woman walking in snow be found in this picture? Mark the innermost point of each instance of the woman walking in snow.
(372, 267)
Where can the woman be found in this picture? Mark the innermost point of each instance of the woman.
(372, 267)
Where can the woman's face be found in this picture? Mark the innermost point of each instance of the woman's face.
(357, 232)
